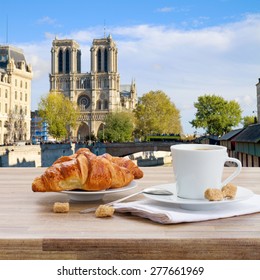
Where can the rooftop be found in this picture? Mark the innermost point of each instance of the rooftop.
(125, 90)
(231, 134)
(8, 52)
(249, 134)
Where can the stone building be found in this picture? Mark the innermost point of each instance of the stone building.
(97, 92)
(15, 96)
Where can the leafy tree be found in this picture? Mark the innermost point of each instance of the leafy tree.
(10, 127)
(60, 113)
(156, 114)
(216, 115)
(119, 127)
(247, 120)
(15, 126)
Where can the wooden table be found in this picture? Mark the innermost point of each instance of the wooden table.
(30, 230)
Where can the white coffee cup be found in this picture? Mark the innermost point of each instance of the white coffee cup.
(198, 167)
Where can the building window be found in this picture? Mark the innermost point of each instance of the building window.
(60, 61)
(99, 60)
(15, 82)
(25, 97)
(105, 104)
(6, 93)
(99, 83)
(21, 96)
(6, 108)
(78, 61)
(106, 83)
(25, 85)
(21, 84)
(15, 95)
(88, 83)
(99, 105)
(105, 60)
(67, 55)
(83, 102)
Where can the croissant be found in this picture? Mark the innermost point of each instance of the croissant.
(84, 171)
(127, 163)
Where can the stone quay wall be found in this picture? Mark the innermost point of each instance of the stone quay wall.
(44, 155)
(33, 155)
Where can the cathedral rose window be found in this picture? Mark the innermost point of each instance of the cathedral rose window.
(83, 102)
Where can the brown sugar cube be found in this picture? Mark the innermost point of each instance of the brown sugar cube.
(61, 207)
(213, 194)
(229, 191)
(104, 211)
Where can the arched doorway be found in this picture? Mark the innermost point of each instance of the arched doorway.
(101, 132)
(83, 133)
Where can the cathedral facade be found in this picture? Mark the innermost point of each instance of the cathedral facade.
(97, 92)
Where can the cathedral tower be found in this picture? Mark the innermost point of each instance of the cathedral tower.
(104, 55)
(106, 80)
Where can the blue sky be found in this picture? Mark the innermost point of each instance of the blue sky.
(184, 48)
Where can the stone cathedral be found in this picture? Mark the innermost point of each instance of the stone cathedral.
(97, 92)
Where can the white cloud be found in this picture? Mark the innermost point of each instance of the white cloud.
(38, 55)
(46, 20)
(165, 10)
(185, 64)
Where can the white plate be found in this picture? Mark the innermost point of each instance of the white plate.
(96, 195)
(198, 204)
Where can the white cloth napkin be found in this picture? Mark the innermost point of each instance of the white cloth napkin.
(165, 214)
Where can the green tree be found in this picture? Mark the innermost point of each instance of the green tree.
(216, 115)
(60, 113)
(247, 120)
(118, 127)
(156, 114)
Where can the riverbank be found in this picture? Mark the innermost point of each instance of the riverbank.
(45, 155)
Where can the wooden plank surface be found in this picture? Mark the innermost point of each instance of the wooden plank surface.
(30, 230)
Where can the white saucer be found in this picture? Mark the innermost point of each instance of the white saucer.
(197, 204)
(96, 195)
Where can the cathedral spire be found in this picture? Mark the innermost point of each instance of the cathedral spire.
(104, 28)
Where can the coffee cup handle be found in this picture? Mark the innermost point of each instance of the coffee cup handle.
(235, 173)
